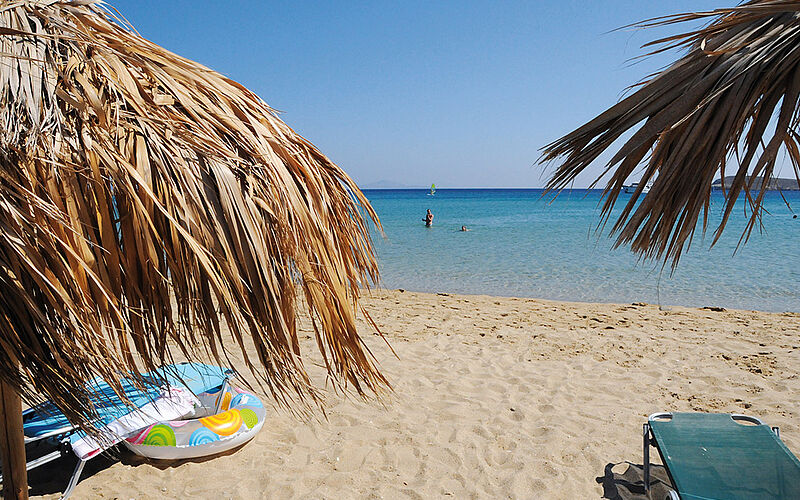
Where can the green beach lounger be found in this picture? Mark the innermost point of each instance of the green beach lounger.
(721, 456)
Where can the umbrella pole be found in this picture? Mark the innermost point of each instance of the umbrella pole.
(12, 445)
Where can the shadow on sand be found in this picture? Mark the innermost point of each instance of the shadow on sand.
(625, 481)
(53, 477)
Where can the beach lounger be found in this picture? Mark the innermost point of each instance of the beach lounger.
(721, 456)
(46, 425)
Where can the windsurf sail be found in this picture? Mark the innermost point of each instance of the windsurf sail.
(433, 189)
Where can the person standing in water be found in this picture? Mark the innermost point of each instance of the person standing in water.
(428, 219)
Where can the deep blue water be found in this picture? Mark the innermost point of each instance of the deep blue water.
(523, 245)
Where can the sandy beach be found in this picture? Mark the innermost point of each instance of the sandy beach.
(494, 398)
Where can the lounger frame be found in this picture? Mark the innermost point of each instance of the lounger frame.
(60, 440)
(649, 440)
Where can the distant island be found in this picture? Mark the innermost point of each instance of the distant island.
(384, 184)
(784, 184)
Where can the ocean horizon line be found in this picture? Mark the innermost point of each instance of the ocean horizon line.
(426, 188)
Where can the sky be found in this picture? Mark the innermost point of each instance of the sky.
(461, 94)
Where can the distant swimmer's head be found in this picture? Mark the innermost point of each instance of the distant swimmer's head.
(463, 228)
(794, 216)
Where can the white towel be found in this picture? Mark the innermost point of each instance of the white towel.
(172, 404)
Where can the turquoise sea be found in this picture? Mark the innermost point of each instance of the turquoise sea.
(521, 244)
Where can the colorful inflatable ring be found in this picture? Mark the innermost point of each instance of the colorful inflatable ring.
(241, 416)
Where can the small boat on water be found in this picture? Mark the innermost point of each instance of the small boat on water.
(631, 188)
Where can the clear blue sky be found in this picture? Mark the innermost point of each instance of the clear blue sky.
(462, 94)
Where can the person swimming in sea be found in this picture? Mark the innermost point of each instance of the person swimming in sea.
(464, 229)
(428, 219)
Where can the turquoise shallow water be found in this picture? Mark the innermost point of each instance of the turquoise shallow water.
(522, 245)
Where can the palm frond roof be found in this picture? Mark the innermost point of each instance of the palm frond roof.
(143, 195)
(730, 103)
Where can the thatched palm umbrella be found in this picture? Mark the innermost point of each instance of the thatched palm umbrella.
(141, 195)
(732, 98)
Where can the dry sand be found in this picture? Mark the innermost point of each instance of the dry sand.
(495, 398)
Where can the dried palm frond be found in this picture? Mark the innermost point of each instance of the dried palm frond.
(141, 195)
(737, 85)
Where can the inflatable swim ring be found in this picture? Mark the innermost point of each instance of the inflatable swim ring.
(205, 431)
